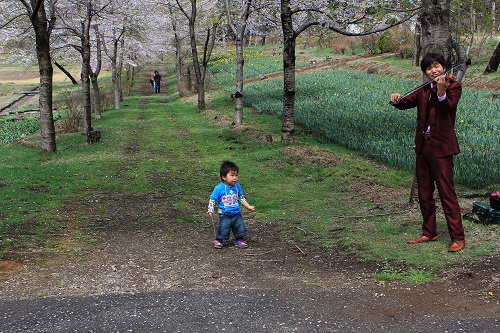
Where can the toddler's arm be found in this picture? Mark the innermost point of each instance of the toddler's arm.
(245, 203)
(211, 205)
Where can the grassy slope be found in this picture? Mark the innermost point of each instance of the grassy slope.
(313, 191)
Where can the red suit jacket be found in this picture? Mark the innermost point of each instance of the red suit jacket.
(441, 117)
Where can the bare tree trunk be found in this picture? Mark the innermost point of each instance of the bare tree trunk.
(194, 53)
(94, 75)
(239, 32)
(472, 29)
(42, 30)
(87, 105)
(435, 23)
(115, 78)
(189, 78)
(97, 96)
(493, 15)
(178, 72)
(116, 67)
(178, 50)
(289, 42)
(462, 60)
(200, 71)
(238, 95)
(416, 45)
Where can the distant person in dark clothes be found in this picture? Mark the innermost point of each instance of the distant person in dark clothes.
(151, 79)
(157, 81)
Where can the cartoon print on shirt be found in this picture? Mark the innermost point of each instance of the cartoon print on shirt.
(230, 199)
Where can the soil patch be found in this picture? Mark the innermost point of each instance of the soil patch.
(130, 256)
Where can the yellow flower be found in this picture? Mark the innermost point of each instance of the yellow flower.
(490, 293)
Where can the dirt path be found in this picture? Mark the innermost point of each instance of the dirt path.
(129, 256)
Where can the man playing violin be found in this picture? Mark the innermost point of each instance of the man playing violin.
(435, 145)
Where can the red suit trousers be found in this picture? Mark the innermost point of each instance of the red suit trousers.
(431, 170)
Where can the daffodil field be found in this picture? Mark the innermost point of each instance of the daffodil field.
(222, 68)
(351, 108)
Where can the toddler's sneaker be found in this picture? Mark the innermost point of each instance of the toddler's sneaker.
(218, 244)
(241, 243)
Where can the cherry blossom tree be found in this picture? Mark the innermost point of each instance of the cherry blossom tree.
(208, 29)
(76, 19)
(349, 18)
(172, 41)
(41, 16)
(238, 28)
(77, 23)
(127, 34)
(238, 19)
(178, 37)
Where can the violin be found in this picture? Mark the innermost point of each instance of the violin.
(448, 77)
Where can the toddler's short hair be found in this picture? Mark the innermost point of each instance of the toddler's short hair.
(227, 166)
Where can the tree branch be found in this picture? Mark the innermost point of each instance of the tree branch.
(36, 9)
(11, 20)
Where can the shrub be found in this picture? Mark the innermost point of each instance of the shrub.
(387, 42)
(406, 51)
(339, 47)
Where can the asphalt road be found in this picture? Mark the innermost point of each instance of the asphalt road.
(229, 311)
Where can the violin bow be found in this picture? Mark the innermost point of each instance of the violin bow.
(426, 83)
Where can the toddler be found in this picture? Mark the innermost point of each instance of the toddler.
(228, 195)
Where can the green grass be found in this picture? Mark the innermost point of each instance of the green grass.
(170, 154)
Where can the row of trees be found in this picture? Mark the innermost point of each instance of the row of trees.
(72, 31)
(137, 32)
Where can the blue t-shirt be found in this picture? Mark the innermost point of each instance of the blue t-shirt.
(227, 198)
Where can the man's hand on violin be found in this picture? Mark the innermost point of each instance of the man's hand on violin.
(395, 98)
(442, 83)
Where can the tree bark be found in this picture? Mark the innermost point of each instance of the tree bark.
(177, 51)
(240, 61)
(116, 67)
(95, 74)
(435, 23)
(416, 45)
(494, 61)
(289, 43)
(238, 96)
(194, 54)
(40, 24)
(85, 75)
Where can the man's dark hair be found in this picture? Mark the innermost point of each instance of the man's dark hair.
(227, 166)
(431, 58)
